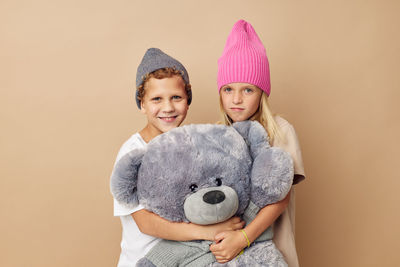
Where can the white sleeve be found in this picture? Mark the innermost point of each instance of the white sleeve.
(125, 149)
(120, 210)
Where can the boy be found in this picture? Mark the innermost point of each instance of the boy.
(163, 95)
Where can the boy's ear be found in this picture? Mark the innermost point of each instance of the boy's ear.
(142, 108)
(125, 176)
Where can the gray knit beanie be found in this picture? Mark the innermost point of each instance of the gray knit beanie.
(155, 59)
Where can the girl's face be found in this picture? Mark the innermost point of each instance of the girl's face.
(240, 100)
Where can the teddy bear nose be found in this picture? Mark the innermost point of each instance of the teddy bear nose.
(214, 197)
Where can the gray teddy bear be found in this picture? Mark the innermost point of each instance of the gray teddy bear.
(205, 174)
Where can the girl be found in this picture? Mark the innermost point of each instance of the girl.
(244, 87)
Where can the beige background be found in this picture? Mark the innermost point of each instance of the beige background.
(67, 71)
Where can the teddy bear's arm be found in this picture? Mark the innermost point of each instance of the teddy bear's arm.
(271, 177)
(124, 178)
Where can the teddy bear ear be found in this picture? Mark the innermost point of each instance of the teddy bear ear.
(124, 178)
(272, 169)
(254, 134)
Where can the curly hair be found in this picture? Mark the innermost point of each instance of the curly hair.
(161, 74)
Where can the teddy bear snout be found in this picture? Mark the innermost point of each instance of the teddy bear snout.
(214, 197)
(211, 205)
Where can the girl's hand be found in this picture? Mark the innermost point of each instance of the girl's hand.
(228, 245)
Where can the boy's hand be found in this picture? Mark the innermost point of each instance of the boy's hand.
(234, 223)
(228, 245)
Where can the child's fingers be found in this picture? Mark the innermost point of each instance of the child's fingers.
(221, 256)
(236, 219)
(217, 249)
(221, 260)
(239, 225)
(214, 248)
(219, 237)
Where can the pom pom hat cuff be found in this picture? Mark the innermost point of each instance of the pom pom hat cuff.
(244, 59)
(155, 59)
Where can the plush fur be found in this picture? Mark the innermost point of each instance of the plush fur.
(205, 174)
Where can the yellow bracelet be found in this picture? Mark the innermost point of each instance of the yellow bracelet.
(245, 235)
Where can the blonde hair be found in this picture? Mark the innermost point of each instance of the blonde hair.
(263, 115)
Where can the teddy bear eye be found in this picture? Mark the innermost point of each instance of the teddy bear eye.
(218, 181)
(193, 187)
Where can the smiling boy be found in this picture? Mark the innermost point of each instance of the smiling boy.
(163, 95)
(164, 100)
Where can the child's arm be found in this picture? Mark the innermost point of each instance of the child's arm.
(152, 224)
(230, 243)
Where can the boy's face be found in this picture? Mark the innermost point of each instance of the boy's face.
(164, 104)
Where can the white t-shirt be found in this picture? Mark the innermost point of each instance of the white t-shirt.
(134, 244)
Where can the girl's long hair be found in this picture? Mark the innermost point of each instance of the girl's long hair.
(263, 115)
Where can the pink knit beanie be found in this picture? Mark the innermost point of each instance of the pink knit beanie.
(244, 59)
